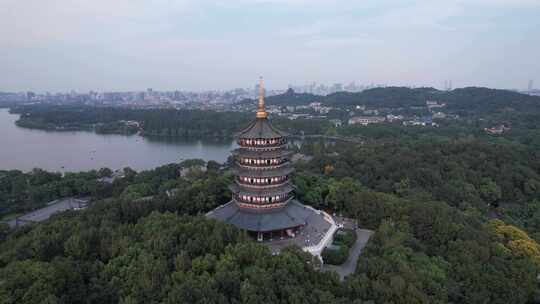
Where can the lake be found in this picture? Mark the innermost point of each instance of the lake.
(25, 149)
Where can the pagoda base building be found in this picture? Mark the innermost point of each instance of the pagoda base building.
(262, 194)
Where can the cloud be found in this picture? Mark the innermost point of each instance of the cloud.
(200, 37)
(36, 22)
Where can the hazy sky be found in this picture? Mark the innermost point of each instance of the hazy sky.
(59, 45)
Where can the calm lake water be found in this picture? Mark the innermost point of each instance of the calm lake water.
(25, 149)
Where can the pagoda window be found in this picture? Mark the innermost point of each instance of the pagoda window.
(268, 161)
(270, 199)
(251, 180)
(269, 181)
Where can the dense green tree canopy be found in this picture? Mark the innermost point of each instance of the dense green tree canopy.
(432, 244)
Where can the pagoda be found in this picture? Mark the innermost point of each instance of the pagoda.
(262, 193)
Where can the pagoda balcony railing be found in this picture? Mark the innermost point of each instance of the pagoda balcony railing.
(261, 143)
(263, 185)
(262, 200)
(263, 148)
(262, 207)
(262, 164)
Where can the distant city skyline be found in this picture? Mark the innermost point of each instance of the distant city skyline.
(306, 87)
(124, 45)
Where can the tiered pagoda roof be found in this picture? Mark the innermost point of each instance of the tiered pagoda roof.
(292, 215)
(260, 128)
(262, 199)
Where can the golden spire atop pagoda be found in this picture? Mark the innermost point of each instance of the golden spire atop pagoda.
(261, 111)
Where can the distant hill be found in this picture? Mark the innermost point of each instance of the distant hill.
(390, 97)
(291, 98)
(470, 99)
(490, 100)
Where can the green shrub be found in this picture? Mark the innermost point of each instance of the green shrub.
(345, 237)
(336, 256)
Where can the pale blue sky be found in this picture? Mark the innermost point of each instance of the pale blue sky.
(59, 45)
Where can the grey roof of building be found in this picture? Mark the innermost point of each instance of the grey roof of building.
(262, 154)
(260, 128)
(294, 214)
(282, 171)
(240, 190)
(53, 207)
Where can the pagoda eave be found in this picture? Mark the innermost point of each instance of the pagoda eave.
(262, 154)
(283, 171)
(260, 129)
(290, 216)
(240, 190)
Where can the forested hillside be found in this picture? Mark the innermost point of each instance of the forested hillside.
(467, 100)
(476, 108)
(432, 204)
(156, 122)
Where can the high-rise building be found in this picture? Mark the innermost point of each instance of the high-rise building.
(30, 96)
(262, 193)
